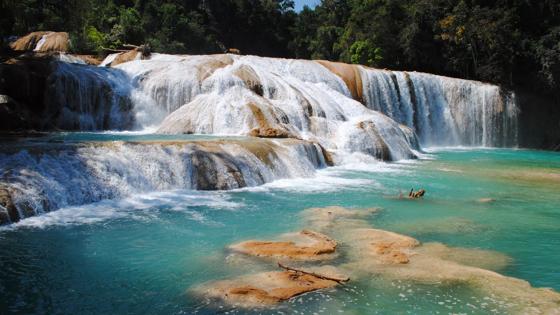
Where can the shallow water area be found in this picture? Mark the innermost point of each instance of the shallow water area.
(142, 253)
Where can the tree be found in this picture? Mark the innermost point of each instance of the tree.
(364, 53)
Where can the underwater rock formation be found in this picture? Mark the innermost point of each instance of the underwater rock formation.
(305, 245)
(267, 288)
(374, 252)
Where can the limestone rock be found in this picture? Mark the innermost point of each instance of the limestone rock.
(350, 74)
(42, 42)
(262, 289)
(305, 245)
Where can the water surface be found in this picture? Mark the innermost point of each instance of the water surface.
(141, 254)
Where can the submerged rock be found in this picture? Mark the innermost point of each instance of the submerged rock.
(267, 288)
(305, 245)
(368, 253)
(372, 252)
(486, 200)
(449, 225)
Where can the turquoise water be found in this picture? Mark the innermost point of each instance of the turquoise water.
(141, 255)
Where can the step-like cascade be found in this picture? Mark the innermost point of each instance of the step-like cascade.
(442, 110)
(328, 111)
(320, 101)
(39, 179)
(268, 97)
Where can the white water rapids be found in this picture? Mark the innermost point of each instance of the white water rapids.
(335, 110)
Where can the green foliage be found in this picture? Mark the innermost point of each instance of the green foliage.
(363, 52)
(512, 42)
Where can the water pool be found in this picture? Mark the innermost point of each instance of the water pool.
(142, 254)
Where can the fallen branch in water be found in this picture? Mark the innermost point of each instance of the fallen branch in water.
(339, 280)
(114, 50)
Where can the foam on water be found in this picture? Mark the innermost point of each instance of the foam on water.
(137, 207)
(43, 178)
(323, 181)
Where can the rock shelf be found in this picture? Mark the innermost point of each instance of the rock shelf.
(305, 245)
(268, 288)
(370, 253)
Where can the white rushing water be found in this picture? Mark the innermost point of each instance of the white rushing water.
(249, 95)
(374, 114)
(82, 97)
(444, 111)
(42, 179)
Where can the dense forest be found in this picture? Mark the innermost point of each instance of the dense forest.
(511, 42)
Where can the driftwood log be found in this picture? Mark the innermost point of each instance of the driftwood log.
(320, 276)
(144, 49)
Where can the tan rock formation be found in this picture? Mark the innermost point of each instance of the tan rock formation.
(266, 288)
(215, 62)
(89, 59)
(133, 54)
(51, 41)
(250, 78)
(350, 74)
(373, 252)
(305, 245)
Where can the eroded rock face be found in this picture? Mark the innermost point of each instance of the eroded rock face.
(42, 42)
(47, 94)
(350, 74)
(23, 84)
(305, 245)
(8, 210)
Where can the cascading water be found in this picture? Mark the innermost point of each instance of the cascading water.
(38, 179)
(441, 110)
(334, 110)
(81, 97)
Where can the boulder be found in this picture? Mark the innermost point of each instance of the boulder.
(42, 42)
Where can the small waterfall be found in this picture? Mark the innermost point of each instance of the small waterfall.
(81, 97)
(42, 179)
(441, 110)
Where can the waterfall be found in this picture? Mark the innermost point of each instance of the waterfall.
(81, 97)
(40, 179)
(442, 110)
(328, 111)
(288, 98)
(249, 95)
